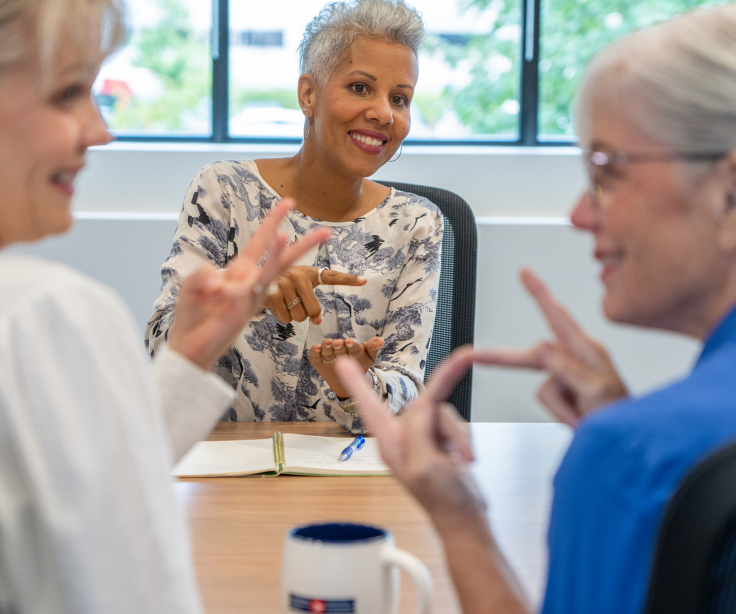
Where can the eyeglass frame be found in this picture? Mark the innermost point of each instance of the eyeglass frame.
(620, 157)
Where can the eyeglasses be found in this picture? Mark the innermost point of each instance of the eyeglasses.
(601, 164)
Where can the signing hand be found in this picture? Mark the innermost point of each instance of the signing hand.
(582, 377)
(295, 288)
(214, 306)
(323, 357)
(429, 449)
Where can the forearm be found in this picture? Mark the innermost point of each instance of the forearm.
(192, 400)
(483, 579)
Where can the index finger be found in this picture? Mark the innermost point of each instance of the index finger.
(265, 234)
(565, 328)
(376, 418)
(338, 278)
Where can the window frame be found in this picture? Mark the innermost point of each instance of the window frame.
(529, 93)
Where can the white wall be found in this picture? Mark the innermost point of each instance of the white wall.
(131, 194)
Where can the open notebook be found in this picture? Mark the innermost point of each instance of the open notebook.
(284, 453)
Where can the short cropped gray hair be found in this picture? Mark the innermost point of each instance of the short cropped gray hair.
(675, 81)
(329, 36)
(40, 23)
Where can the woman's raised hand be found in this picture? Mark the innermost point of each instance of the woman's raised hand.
(292, 296)
(323, 357)
(429, 448)
(214, 305)
(582, 377)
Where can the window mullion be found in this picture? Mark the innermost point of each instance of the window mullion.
(530, 72)
(220, 70)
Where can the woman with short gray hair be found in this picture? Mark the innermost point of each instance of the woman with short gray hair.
(369, 291)
(657, 122)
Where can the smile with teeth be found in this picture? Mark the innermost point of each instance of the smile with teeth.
(64, 178)
(366, 139)
(610, 260)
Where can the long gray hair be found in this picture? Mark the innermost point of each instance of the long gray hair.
(29, 27)
(329, 36)
(675, 81)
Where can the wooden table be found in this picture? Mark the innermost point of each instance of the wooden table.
(238, 524)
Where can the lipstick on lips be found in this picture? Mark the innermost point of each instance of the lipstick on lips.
(64, 180)
(610, 261)
(368, 141)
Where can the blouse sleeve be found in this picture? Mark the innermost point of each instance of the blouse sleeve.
(205, 234)
(407, 331)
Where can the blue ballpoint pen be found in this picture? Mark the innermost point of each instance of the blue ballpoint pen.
(356, 444)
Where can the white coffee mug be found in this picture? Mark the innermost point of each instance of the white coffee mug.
(347, 569)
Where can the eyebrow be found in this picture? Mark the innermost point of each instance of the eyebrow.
(372, 78)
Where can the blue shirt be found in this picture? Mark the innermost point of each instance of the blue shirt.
(623, 466)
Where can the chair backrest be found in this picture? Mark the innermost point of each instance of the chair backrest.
(694, 568)
(455, 314)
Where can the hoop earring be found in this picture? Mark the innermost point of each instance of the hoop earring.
(401, 150)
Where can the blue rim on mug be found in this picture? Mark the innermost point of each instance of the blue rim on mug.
(338, 533)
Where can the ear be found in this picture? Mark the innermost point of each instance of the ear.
(307, 91)
(727, 233)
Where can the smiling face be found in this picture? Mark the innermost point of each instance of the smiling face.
(361, 114)
(661, 233)
(47, 122)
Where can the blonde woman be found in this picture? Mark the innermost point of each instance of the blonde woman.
(88, 429)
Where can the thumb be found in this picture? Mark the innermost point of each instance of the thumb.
(372, 347)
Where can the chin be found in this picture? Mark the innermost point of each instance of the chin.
(616, 310)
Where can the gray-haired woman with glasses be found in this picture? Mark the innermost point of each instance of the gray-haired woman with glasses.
(657, 118)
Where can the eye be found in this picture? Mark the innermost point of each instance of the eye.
(359, 88)
(399, 101)
(69, 95)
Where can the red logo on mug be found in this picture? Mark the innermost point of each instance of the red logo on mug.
(318, 606)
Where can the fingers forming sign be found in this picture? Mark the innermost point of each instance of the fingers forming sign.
(429, 448)
(324, 356)
(214, 305)
(582, 376)
(292, 296)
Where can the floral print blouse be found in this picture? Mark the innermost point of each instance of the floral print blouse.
(396, 246)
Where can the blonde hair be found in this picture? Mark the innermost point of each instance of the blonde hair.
(675, 81)
(30, 27)
(329, 36)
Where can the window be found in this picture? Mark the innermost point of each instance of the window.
(491, 71)
(160, 82)
(572, 31)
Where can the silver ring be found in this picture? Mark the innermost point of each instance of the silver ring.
(294, 303)
(319, 275)
(329, 361)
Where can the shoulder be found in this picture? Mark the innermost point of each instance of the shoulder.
(37, 287)
(408, 212)
(656, 438)
(224, 172)
(411, 203)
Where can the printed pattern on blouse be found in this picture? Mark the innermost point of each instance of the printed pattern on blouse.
(396, 246)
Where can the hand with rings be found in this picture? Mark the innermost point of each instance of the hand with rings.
(324, 355)
(291, 296)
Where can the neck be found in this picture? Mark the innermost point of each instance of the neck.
(321, 190)
(705, 312)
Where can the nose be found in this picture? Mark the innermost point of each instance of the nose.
(94, 129)
(585, 214)
(380, 110)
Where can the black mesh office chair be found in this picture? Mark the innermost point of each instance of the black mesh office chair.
(694, 569)
(455, 317)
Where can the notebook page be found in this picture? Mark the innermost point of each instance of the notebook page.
(318, 456)
(214, 458)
